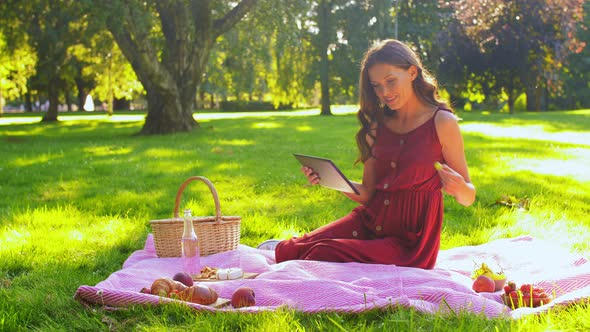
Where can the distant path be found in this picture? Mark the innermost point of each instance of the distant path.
(336, 110)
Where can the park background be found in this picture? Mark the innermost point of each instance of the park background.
(235, 82)
(173, 58)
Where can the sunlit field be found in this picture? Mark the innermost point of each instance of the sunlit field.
(77, 197)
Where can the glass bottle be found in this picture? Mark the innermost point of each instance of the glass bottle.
(191, 256)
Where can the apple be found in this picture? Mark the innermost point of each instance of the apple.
(184, 278)
(484, 284)
(243, 297)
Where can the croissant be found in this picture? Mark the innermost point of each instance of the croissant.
(198, 294)
(165, 286)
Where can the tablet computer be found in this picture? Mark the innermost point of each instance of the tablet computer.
(330, 176)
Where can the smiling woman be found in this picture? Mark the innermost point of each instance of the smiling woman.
(405, 130)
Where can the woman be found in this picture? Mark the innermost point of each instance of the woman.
(405, 130)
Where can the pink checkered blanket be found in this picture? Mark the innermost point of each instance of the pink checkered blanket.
(312, 286)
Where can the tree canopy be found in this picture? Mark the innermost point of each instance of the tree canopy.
(287, 53)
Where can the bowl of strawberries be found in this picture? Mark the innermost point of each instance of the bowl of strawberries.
(527, 295)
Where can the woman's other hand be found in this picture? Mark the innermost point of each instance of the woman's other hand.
(312, 177)
(455, 185)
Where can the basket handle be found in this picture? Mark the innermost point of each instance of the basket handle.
(213, 192)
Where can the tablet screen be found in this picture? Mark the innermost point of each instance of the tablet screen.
(330, 176)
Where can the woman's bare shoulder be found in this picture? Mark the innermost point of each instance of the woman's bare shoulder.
(444, 118)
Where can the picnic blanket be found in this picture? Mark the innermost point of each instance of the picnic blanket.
(312, 286)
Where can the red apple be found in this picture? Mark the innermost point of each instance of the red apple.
(243, 297)
(184, 278)
(484, 284)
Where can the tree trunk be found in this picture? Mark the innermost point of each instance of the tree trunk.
(201, 103)
(68, 98)
(165, 116)
(53, 94)
(81, 94)
(170, 72)
(120, 104)
(530, 93)
(511, 102)
(324, 27)
(28, 101)
(1, 104)
(546, 99)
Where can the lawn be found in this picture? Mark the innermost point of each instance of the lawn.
(77, 197)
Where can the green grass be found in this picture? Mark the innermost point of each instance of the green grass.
(77, 197)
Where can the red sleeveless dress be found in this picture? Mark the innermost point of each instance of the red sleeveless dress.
(401, 224)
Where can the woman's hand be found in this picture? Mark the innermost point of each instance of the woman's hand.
(312, 177)
(455, 185)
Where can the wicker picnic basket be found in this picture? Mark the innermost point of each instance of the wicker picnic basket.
(216, 233)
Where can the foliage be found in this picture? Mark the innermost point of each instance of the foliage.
(49, 31)
(523, 44)
(77, 198)
(576, 75)
(264, 58)
(105, 65)
(17, 63)
(243, 105)
(355, 39)
(168, 44)
(484, 53)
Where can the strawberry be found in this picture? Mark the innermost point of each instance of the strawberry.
(507, 289)
(514, 295)
(512, 285)
(526, 288)
(527, 301)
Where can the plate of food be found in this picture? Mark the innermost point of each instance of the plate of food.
(209, 274)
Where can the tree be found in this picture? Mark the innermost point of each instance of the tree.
(49, 30)
(293, 75)
(168, 44)
(16, 65)
(419, 22)
(324, 11)
(576, 76)
(377, 23)
(103, 71)
(523, 43)
(460, 59)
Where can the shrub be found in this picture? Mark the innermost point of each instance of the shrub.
(247, 106)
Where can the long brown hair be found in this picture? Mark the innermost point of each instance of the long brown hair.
(395, 53)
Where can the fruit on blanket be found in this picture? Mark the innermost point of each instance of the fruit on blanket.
(483, 284)
(499, 284)
(526, 296)
(183, 277)
(199, 294)
(498, 277)
(243, 297)
(165, 286)
(512, 285)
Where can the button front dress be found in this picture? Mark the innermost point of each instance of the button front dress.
(401, 224)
